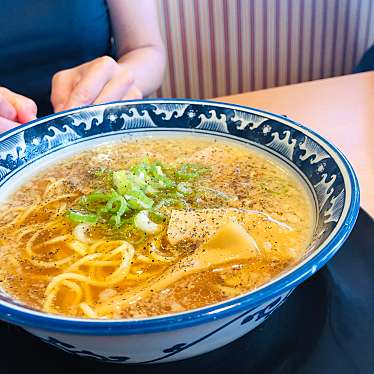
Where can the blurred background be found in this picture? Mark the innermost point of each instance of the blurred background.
(221, 47)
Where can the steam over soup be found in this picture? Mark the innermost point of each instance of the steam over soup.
(151, 226)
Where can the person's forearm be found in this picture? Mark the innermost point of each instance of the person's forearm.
(138, 72)
(147, 65)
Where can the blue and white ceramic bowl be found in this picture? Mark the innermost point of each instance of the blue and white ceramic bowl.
(331, 180)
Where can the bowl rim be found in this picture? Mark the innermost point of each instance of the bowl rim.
(27, 317)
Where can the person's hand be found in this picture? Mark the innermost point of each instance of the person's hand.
(94, 82)
(15, 109)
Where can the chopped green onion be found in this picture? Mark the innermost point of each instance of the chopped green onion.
(141, 168)
(97, 196)
(151, 189)
(119, 203)
(134, 198)
(138, 200)
(190, 171)
(143, 223)
(156, 216)
(90, 201)
(124, 181)
(79, 217)
(160, 177)
(115, 220)
(184, 188)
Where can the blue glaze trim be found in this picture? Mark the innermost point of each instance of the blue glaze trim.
(23, 317)
(274, 305)
(260, 315)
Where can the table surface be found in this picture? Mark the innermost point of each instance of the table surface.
(341, 109)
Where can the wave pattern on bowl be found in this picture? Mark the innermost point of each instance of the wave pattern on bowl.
(315, 163)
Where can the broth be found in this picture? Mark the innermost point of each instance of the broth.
(151, 226)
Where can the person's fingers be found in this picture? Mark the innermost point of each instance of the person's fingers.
(6, 108)
(116, 88)
(92, 82)
(6, 124)
(133, 94)
(24, 107)
(63, 83)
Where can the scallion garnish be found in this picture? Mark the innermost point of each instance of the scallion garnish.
(138, 197)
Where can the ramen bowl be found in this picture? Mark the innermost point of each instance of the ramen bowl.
(325, 171)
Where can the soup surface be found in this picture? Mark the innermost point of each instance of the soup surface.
(151, 226)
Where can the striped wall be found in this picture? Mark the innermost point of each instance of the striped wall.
(220, 47)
